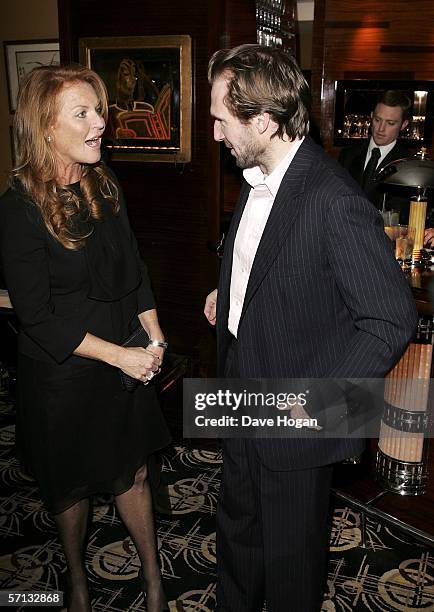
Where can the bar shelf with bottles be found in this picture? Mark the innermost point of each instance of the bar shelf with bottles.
(275, 24)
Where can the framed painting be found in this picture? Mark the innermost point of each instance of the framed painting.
(148, 79)
(22, 56)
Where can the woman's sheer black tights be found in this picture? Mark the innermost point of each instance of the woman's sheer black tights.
(72, 526)
(135, 509)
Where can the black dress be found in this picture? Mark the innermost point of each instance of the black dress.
(78, 431)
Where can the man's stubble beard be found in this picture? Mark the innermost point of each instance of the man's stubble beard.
(250, 155)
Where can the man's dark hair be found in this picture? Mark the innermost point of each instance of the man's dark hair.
(264, 79)
(393, 97)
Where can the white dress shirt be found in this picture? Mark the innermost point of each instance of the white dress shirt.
(384, 150)
(250, 230)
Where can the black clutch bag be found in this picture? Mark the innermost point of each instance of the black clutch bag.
(138, 338)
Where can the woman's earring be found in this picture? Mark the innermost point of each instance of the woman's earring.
(48, 138)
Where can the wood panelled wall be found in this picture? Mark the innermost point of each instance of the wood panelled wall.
(369, 39)
(174, 209)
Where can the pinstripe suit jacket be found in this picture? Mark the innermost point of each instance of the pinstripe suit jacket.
(325, 297)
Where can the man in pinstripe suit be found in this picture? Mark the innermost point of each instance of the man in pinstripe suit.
(308, 288)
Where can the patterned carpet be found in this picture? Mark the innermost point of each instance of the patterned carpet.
(391, 573)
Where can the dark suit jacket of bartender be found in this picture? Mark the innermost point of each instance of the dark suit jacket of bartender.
(353, 159)
(325, 296)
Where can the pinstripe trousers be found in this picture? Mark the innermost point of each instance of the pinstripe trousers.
(271, 534)
(271, 529)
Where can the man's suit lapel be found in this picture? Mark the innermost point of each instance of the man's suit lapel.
(283, 214)
(393, 155)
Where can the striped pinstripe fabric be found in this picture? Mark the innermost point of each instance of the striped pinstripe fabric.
(325, 298)
(277, 550)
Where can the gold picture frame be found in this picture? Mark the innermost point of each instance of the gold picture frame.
(148, 79)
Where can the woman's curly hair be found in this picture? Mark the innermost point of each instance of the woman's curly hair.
(37, 165)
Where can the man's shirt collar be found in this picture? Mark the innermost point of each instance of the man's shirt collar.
(254, 176)
(384, 150)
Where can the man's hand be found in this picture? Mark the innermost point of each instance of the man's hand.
(211, 306)
(298, 412)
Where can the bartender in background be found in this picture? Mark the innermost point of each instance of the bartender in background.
(365, 159)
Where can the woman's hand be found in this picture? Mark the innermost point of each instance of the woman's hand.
(149, 322)
(158, 353)
(138, 362)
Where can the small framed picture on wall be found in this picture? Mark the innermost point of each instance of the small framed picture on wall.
(21, 56)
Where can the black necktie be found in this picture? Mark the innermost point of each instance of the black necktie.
(368, 178)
